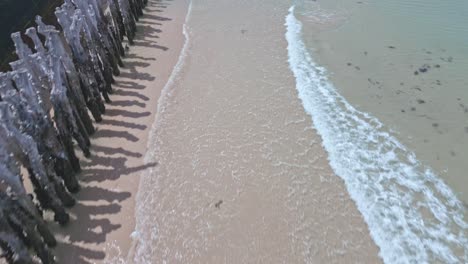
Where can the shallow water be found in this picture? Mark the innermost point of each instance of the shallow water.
(242, 176)
(372, 50)
(412, 215)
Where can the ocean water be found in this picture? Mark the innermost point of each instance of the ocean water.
(404, 62)
(386, 86)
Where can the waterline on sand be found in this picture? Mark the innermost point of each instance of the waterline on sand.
(139, 247)
(412, 215)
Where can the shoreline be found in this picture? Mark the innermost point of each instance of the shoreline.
(370, 178)
(161, 105)
(206, 155)
(104, 216)
(243, 177)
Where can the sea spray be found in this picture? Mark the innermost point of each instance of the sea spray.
(413, 216)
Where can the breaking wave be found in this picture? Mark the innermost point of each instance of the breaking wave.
(412, 215)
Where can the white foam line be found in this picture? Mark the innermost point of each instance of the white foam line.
(166, 91)
(163, 102)
(412, 215)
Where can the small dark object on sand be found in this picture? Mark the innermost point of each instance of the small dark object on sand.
(420, 101)
(424, 68)
(437, 65)
(218, 204)
(391, 47)
(435, 125)
(416, 73)
(413, 108)
(349, 64)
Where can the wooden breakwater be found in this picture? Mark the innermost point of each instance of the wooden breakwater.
(47, 103)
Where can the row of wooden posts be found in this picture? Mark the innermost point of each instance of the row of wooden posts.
(46, 104)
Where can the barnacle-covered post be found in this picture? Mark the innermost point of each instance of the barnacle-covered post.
(100, 41)
(64, 119)
(55, 46)
(48, 190)
(39, 67)
(84, 68)
(117, 24)
(128, 20)
(96, 61)
(14, 249)
(35, 67)
(66, 76)
(50, 148)
(106, 29)
(56, 158)
(11, 184)
(20, 223)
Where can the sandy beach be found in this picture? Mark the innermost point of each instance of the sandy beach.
(209, 154)
(103, 218)
(237, 132)
(242, 176)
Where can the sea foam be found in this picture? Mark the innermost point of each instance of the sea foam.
(412, 215)
(146, 230)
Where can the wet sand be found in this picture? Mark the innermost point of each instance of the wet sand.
(103, 218)
(242, 176)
